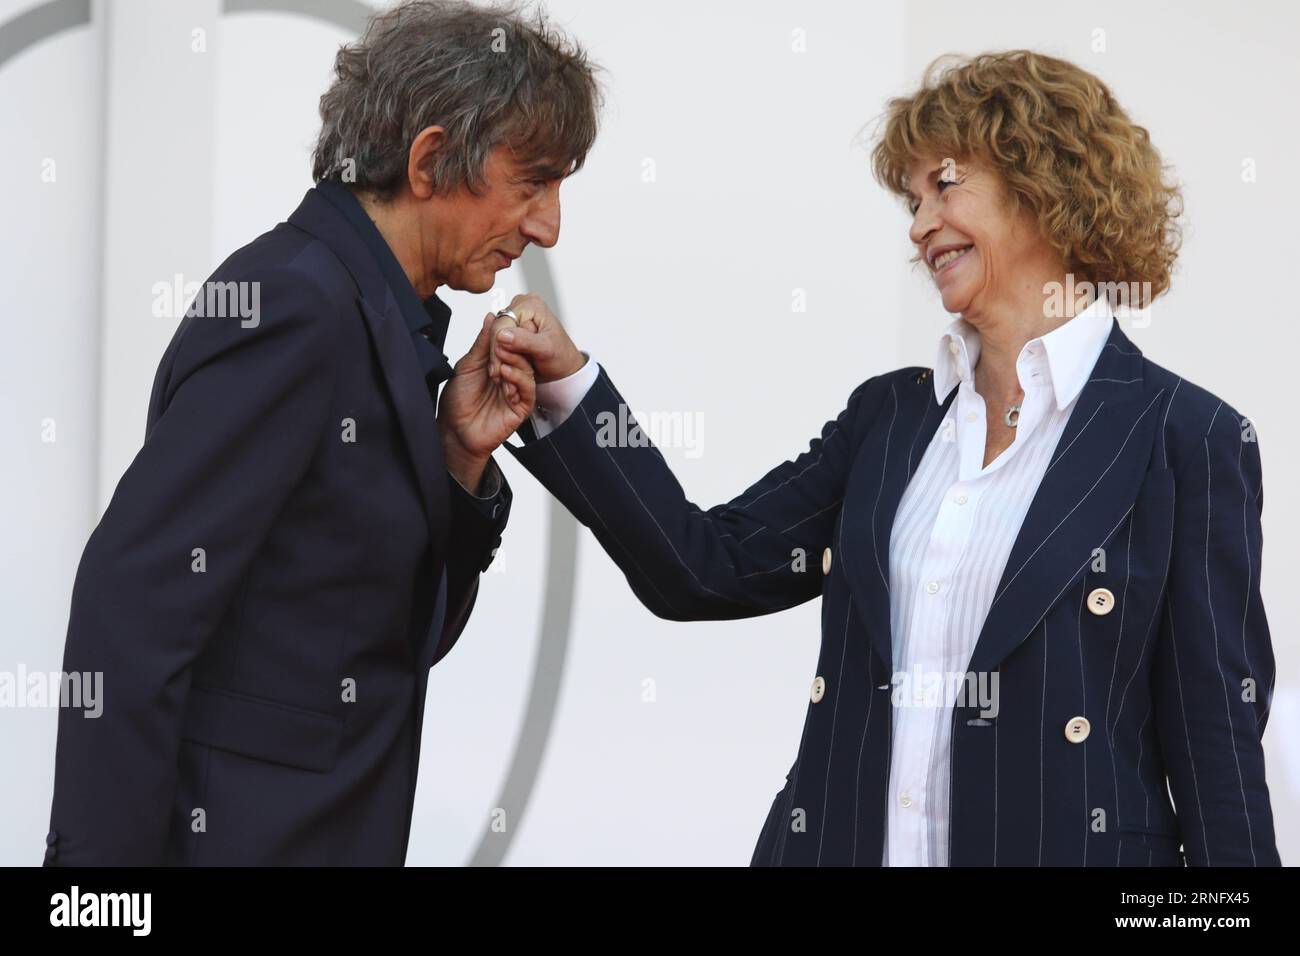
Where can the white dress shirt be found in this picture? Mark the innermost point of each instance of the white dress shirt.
(953, 533)
(557, 400)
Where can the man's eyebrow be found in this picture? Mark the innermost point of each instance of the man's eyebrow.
(546, 169)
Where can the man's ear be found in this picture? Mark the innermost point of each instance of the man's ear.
(419, 161)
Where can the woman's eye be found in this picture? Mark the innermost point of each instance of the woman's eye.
(914, 205)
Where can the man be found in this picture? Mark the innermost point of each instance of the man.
(299, 539)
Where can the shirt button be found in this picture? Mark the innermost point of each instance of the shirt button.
(972, 417)
(932, 587)
(954, 348)
(826, 561)
(960, 499)
(904, 800)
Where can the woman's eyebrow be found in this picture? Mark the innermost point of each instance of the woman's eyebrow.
(931, 176)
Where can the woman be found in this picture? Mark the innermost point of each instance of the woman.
(1039, 560)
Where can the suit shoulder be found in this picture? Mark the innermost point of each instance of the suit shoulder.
(1191, 414)
(879, 386)
(287, 252)
(280, 291)
(880, 393)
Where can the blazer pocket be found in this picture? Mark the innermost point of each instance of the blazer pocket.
(262, 729)
(1166, 848)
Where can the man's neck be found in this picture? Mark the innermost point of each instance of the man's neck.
(400, 229)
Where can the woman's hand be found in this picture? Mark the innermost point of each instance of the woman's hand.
(540, 337)
(478, 412)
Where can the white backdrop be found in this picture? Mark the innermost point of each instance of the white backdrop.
(685, 287)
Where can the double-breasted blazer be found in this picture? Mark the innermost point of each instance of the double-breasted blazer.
(1128, 738)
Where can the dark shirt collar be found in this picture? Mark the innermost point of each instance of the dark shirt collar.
(427, 320)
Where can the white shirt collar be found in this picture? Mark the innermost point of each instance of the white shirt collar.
(1072, 350)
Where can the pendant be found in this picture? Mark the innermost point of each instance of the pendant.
(1012, 417)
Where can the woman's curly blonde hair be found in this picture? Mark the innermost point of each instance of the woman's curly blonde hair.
(1062, 146)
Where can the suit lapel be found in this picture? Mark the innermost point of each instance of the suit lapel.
(1087, 491)
(889, 454)
(414, 406)
(411, 397)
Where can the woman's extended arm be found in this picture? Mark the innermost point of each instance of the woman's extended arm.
(758, 553)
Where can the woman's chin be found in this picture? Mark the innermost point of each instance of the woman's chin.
(955, 300)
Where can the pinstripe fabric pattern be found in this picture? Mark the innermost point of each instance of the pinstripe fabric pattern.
(1137, 482)
(952, 536)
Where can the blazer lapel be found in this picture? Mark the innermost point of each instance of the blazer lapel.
(411, 396)
(1086, 493)
(887, 459)
(415, 413)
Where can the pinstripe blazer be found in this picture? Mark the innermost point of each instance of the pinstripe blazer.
(1175, 682)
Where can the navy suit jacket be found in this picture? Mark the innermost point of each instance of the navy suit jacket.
(1175, 681)
(263, 699)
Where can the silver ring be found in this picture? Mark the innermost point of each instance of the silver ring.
(510, 313)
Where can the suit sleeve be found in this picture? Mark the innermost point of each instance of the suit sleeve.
(477, 525)
(1214, 667)
(239, 413)
(759, 553)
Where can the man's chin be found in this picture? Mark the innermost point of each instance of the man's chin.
(476, 284)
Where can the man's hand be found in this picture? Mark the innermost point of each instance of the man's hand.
(540, 337)
(477, 413)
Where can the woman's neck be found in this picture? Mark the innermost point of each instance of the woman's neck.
(1004, 332)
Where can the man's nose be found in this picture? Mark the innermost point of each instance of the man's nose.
(542, 225)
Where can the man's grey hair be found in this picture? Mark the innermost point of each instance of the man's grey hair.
(488, 75)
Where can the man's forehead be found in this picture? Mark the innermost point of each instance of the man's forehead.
(549, 168)
(524, 165)
(545, 167)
